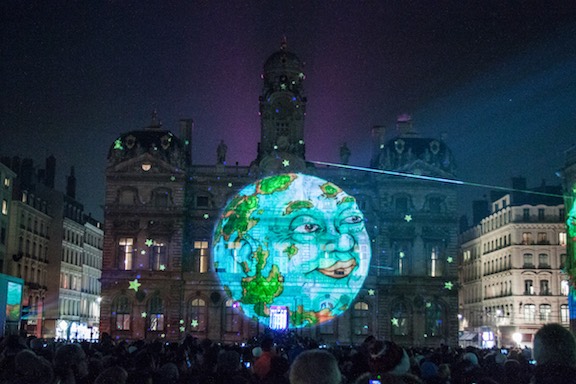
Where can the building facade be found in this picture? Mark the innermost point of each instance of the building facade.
(46, 248)
(512, 269)
(159, 278)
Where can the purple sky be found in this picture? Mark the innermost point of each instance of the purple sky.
(496, 77)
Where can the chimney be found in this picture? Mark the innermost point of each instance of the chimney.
(50, 174)
(186, 127)
(71, 184)
(27, 173)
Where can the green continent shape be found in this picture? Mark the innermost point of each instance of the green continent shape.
(330, 190)
(275, 183)
(299, 317)
(347, 199)
(238, 215)
(291, 250)
(260, 290)
(294, 206)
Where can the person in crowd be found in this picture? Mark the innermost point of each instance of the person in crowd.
(315, 366)
(555, 355)
(262, 365)
(70, 365)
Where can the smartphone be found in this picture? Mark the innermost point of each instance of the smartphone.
(504, 351)
(247, 364)
(533, 362)
(375, 382)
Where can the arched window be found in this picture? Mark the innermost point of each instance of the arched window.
(545, 312)
(564, 313)
(434, 319)
(155, 314)
(399, 319)
(232, 320)
(121, 309)
(158, 256)
(197, 315)
(125, 253)
(127, 196)
(360, 318)
(161, 197)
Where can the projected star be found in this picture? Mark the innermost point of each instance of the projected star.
(408, 218)
(118, 144)
(206, 216)
(395, 322)
(143, 314)
(229, 184)
(162, 267)
(428, 305)
(194, 323)
(134, 285)
(286, 162)
(172, 178)
(149, 242)
(182, 329)
(181, 321)
(300, 142)
(371, 292)
(450, 259)
(448, 285)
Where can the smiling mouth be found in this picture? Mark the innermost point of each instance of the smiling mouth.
(340, 269)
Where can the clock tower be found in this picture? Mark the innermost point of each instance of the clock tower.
(282, 109)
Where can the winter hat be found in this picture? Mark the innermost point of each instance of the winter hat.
(471, 357)
(389, 357)
(428, 370)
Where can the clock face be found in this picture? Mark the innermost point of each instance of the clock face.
(282, 109)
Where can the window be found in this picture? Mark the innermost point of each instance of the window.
(158, 256)
(232, 321)
(125, 253)
(562, 260)
(528, 287)
(434, 263)
(434, 319)
(127, 197)
(155, 314)
(4, 206)
(526, 214)
(543, 260)
(7, 182)
(399, 320)
(562, 238)
(564, 313)
(121, 309)
(528, 260)
(544, 287)
(545, 312)
(564, 287)
(529, 312)
(401, 204)
(202, 202)
(542, 238)
(527, 238)
(360, 319)
(201, 253)
(197, 312)
(435, 204)
(401, 252)
(562, 214)
(540, 214)
(161, 197)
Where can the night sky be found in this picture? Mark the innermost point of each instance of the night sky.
(497, 78)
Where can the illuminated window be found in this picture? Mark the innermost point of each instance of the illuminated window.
(121, 310)
(197, 315)
(434, 319)
(202, 254)
(434, 262)
(562, 238)
(545, 312)
(527, 238)
(155, 314)
(7, 182)
(125, 253)
(564, 287)
(564, 313)
(401, 252)
(4, 206)
(399, 319)
(158, 256)
(530, 312)
(361, 319)
(232, 320)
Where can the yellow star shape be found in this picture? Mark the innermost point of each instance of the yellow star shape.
(134, 284)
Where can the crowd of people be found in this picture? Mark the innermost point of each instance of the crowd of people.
(284, 359)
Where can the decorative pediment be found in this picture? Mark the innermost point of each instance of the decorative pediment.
(145, 164)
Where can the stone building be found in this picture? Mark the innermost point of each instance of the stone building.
(159, 277)
(511, 269)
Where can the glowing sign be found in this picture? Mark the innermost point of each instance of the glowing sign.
(278, 317)
(295, 241)
(13, 300)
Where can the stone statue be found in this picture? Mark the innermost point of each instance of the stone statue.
(344, 154)
(221, 152)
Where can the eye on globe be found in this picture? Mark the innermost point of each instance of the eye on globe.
(292, 242)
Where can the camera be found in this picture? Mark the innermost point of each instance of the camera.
(247, 364)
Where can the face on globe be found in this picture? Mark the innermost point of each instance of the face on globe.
(294, 241)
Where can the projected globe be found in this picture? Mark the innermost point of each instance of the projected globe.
(292, 241)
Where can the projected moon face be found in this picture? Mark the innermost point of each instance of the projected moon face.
(293, 241)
